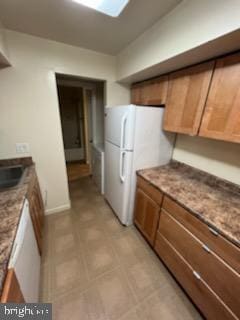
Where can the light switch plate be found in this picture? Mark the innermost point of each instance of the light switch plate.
(22, 147)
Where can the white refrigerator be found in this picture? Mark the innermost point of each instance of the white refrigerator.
(134, 140)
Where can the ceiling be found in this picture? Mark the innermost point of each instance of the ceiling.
(68, 22)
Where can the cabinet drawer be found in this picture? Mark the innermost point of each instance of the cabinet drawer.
(217, 243)
(206, 300)
(222, 279)
(152, 192)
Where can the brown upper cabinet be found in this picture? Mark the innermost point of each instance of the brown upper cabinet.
(136, 93)
(221, 119)
(200, 100)
(187, 94)
(152, 92)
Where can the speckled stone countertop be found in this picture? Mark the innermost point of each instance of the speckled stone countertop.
(11, 203)
(213, 200)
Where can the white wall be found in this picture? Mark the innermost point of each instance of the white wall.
(191, 24)
(29, 105)
(216, 157)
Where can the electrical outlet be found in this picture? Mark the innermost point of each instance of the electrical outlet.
(22, 147)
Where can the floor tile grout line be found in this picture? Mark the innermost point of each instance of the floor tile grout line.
(109, 235)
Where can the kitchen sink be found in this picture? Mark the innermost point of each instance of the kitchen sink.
(11, 176)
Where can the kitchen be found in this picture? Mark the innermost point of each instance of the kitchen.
(92, 266)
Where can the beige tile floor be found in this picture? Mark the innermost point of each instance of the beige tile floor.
(93, 268)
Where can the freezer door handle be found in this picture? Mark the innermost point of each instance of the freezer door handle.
(121, 166)
(123, 126)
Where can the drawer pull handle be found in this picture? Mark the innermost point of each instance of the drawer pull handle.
(196, 275)
(206, 248)
(213, 231)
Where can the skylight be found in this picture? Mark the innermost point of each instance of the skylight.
(109, 7)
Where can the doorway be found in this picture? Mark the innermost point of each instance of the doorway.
(81, 105)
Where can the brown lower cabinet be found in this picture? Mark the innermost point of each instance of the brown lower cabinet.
(11, 291)
(203, 262)
(36, 208)
(147, 210)
(206, 300)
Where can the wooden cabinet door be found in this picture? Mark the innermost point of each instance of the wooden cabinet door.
(11, 291)
(36, 223)
(154, 92)
(152, 211)
(39, 204)
(37, 212)
(151, 92)
(146, 215)
(136, 94)
(221, 119)
(187, 94)
(139, 213)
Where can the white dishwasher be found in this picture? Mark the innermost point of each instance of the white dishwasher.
(25, 258)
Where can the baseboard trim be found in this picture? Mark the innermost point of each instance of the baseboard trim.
(58, 209)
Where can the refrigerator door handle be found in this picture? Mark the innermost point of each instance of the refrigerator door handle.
(123, 125)
(121, 166)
